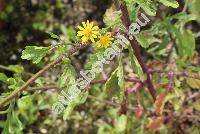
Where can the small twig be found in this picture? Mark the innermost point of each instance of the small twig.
(130, 79)
(170, 49)
(170, 81)
(124, 103)
(133, 79)
(195, 95)
(137, 86)
(49, 87)
(176, 73)
(98, 81)
(185, 6)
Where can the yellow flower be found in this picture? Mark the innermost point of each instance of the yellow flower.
(105, 40)
(88, 31)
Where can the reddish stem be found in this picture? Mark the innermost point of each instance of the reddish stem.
(135, 88)
(126, 22)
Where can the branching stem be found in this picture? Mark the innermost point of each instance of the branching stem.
(38, 74)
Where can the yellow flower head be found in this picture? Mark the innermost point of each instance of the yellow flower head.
(105, 40)
(88, 31)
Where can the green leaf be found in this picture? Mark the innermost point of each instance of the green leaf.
(170, 3)
(184, 17)
(69, 33)
(16, 68)
(112, 18)
(12, 125)
(136, 66)
(68, 76)
(113, 89)
(133, 11)
(194, 8)
(121, 124)
(145, 39)
(111, 85)
(2, 124)
(105, 128)
(24, 103)
(186, 44)
(13, 68)
(15, 82)
(52, 35)
(120, 75)
(98, 52)
(34, 53)
(80, 99)
(3, 77)
(39, 26)
(66, 80)
(148, 6)
(67, 112)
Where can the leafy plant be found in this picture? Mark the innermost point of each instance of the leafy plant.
(153, 76)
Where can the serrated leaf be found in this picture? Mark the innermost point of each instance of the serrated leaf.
(34, 53)
(170, 3)
(133, 12)
(112, 18)
(148, 6)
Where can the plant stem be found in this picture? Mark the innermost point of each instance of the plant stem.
(135, 88)
(39, 73)
(176, 73)
(126, 22)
